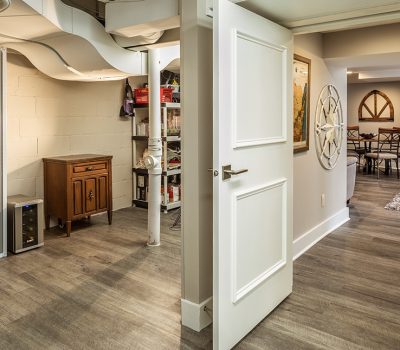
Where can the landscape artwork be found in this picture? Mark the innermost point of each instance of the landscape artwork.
(301, 103)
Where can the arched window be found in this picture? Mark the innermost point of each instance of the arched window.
(376, 107)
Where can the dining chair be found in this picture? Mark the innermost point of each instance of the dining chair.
(387, 150)
(354, 148)
(397, 129)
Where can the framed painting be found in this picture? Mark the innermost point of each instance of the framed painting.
(301, 103)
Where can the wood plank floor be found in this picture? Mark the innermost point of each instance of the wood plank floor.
(346, 291)
(103, 289)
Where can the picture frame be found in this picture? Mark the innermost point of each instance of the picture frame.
(301, 103)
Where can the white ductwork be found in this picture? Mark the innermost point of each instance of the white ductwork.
(140, 40)
(132, 18)
(57, 31)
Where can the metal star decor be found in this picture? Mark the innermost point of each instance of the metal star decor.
(328, 127)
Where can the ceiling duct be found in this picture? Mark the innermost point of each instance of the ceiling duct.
(66, 43)
(134, 18)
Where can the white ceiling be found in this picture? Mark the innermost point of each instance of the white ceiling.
(309, 16)
(296, 14)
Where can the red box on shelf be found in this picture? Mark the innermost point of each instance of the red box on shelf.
(142, 95)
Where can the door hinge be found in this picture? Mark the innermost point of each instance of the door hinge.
(209, 8)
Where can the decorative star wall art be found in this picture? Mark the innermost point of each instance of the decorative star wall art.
(329, 127)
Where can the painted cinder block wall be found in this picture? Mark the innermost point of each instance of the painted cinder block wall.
(48, 117)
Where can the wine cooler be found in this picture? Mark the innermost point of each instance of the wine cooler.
(24, 223)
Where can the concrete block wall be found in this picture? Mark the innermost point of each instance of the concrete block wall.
(48, 117)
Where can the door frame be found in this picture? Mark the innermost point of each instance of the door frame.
(3, 146)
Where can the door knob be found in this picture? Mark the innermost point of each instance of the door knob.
(228, 172)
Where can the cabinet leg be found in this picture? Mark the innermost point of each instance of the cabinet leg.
(109, 217)
(47, 221)
(68, 226)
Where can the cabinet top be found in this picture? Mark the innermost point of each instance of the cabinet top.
(78, 158)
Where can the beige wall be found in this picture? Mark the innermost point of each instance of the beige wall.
(48, 117)
(197, 79)
(310, 179)
(365, 41)
(356, 93)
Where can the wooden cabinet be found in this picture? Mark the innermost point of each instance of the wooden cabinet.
(76, 187)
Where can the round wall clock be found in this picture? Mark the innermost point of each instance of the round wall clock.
(328, 127)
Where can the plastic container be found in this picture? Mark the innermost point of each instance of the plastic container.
(142, 95)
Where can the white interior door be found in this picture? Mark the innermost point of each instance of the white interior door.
(253, 131)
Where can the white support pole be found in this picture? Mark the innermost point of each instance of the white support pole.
(153, 161)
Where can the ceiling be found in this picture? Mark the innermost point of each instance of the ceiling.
(66, 43)
(326, 15)
(310, 16)
(373, 75)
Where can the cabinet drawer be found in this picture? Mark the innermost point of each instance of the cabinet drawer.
(89, 168)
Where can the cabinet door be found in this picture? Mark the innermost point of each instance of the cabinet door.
(102, 195)
(90, 195)
(77, 193)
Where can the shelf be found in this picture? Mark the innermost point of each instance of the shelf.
(176, 138)
(171, 206)
(145, 204)
(172, 138)
(170, 172)
(140, 171)
(171, 105)
(140, 204)
(140, 138)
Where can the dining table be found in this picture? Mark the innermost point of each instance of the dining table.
(368, 147)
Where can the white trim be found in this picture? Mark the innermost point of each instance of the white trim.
(3, 255)
(308, 239)
(195, 316)
(238, 294)
(237, 143)
(299, 28)
(3, 146)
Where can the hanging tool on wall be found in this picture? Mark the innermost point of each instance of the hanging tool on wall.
(127, 109)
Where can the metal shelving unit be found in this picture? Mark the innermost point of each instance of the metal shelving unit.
(139, 142)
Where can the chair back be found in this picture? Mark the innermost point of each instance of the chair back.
(353, 137)
(396, 141)
(388, 140)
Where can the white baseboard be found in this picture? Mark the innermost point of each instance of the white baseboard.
(308, 239)
(3, 255)
(195, 316)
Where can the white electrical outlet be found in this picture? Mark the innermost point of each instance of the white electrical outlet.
(323, 200)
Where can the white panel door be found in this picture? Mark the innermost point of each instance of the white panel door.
(252, 131)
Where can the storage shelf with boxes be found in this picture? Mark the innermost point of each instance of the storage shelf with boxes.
(171, 142)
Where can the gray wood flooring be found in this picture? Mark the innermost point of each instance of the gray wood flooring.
(103, 289)
(346, 291)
